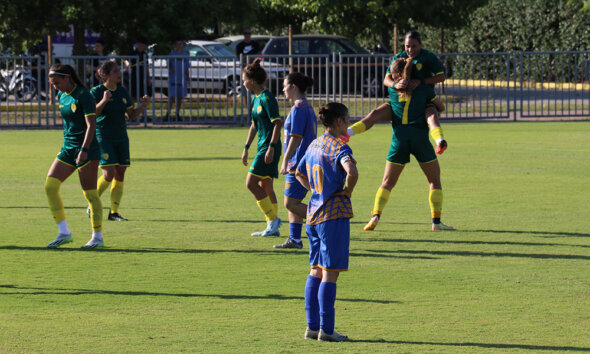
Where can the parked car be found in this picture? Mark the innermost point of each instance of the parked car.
(233, 41)
(214, 68)
(359, 71)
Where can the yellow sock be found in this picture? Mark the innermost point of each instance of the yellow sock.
(381, 199)
(265, 206)
(436, 134)
(102, 184)
(116, 195)
(358, 127)
(435, 199)
(56, 206)
(93, 199)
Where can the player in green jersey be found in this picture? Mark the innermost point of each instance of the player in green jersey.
(410, 130)
(267, 123)
(113, 106)
(79, 152)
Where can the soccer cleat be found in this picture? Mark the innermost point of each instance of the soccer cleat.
(273, 228)
(257, 233)
(290, 244)
(311, 334)
(334, 337)
(441, 227)
(116, 217)
(94, 243)
(60, 240)
(88, 211)
(441, 147)
(372, 224)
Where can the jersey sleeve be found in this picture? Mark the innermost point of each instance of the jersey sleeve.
(88, 105)
(436, 66)
(126, 97)
(302, 167)
(95, 92)
(345, 155)
(298, 121)
(272, 107)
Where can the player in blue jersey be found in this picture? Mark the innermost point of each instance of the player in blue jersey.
(113, 106)
(267, 123)
(300, 130)
(79, 152)
(328, 170)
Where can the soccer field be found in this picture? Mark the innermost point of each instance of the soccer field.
(184, 274)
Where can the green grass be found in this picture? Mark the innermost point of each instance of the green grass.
(184, 275)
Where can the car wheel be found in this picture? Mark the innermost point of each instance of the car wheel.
(231, 86)
(372, 86)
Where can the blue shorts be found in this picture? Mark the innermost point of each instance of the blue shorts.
(328, 244)
(294, 189)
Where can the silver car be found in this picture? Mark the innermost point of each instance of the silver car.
(213, 68)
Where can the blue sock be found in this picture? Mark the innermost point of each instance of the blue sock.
(312, 306)
(327, 298)
(295, 231)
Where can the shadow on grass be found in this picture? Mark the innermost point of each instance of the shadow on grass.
(488, 254)
(480, 345)
(460, 242)
(66, 291)
(271, 251)
(68, 207)
(541, 233)
(151, 159)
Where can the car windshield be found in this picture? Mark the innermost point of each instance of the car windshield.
(355, 47)
(219, 50)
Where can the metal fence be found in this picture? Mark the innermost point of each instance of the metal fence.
(500, 86)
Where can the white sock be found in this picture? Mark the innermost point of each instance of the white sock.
(350, 132)
(97, 235)
(439, 140)
(63, 227)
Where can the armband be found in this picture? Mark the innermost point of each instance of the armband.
(83, 149)
(247, 146)
(275, 145)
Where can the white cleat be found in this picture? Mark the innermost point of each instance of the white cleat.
(442, 227)
(334, 337)
(94, 243)
(60, 240)
(273, 228)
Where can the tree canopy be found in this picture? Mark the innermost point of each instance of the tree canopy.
(470, 25)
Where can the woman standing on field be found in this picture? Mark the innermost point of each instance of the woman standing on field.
(300, 130)
(267, 123)
(79, 152)
(329, 171)
(114, 105)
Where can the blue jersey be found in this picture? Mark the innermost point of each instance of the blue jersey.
(180, 65)
(322, 167)
(302, 122)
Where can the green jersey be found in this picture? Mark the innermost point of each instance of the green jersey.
(111, 122)
(265, 111)
(74, 108)
(411, 110)
(426, 65)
